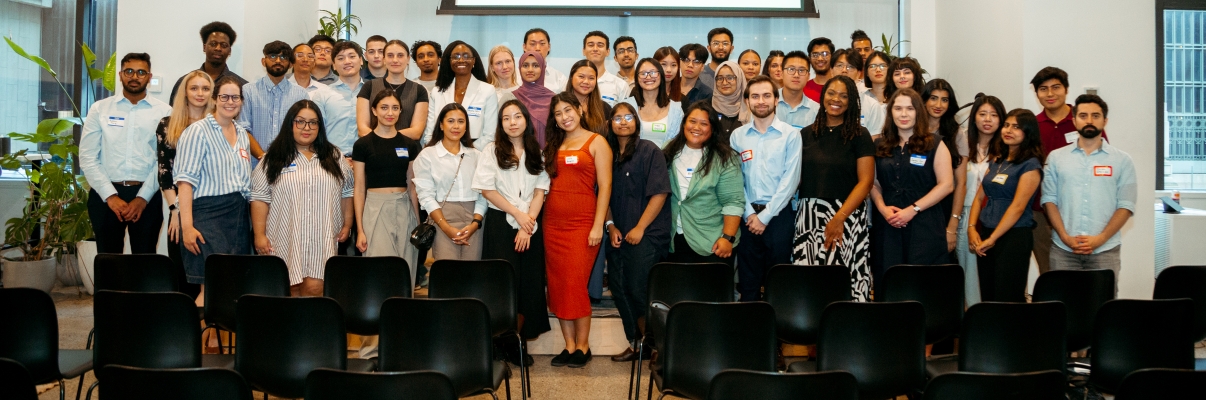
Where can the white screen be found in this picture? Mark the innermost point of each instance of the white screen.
(696, 4)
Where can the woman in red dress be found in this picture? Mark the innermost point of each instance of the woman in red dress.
(580, 168)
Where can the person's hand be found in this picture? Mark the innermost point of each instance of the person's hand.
(174, 226)
(1068, 240)
(1085, 244)
(834, 231)
(596, 236)
(754, 224)
(985, 244)
(523, 240)
(615, 235)
(361, 242)
(902, 217)
(118, 206)
(134, 209)
(262, 245)
(952, 236)
(191, 237)
(343, 233)
(634, 236)
(526, 222)
(889, 211)
(722, 248)
(973, 240)
(449, 231)
(463, 235)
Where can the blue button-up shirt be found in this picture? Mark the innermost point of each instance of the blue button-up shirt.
(117, 144)
(800, 116)
(1088, 189)
(265, 105)
(338, 104)
(207, 161)
(770, 162)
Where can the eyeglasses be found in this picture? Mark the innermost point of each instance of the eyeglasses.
(820, 54)
(726, 78)
(622, 118)
(720, 43)
(795, 71)
(692, 61)
(648, 74)
(626, 50)
(844, 67)
(304, 124)
(278, 57)
(322, 50)
(130, 72)
(878, 67)
(229, 98)
(461, 56)
(304, 55)
(217, 45)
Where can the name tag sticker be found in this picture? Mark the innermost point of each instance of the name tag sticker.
(1103, 170)
(1070, 137)
(609, 98)
(1000, 179)
(474, 111)
(659, 127)
(117, 121)
(690, 171)
(243, 153)
(571, 160)
(402, 152)
(747, 155)
(917, 159)
(290, 168)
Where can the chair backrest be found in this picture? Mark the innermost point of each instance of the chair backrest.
(29, 332)
(1082, 292)
(129, 383)
(882, 344)
(1008, 338)
(1130, 335)
(1042, 385)
(799, 293)
(282, 339)
(136, 273)
(329, 384)
(703, 339)
(1160, 384)
(744, 384)
(451, 336)
(939, 288)
(361, 284)
(145, 330)
(671, 283)
(1186, 281)
(228, 277)
(15, 382)
(491, 281)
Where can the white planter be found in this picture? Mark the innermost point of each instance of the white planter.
(85, 253)
(30, 274)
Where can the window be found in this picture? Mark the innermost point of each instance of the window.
(1181, 91)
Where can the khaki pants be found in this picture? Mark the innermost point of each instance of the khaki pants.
(457, 214)
(388, 220)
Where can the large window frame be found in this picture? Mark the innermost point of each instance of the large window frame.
(1161, 7)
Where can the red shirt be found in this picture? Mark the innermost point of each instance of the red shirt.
(1058, 134)
(812, 90)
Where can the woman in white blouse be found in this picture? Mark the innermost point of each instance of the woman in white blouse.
(511, 177)
(443, 180)
(501, 71)
(462, 80)
(660, 116)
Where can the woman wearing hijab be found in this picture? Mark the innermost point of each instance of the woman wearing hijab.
(728, 98)
(532, 93)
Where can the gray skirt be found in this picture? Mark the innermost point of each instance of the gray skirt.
(458, 214)
(388, 219)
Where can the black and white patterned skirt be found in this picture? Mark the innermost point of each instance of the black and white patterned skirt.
(855, 251)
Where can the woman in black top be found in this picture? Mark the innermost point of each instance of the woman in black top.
(412, 97)
(192, 103)
(833, 222)
(638, 223)
(912, 174)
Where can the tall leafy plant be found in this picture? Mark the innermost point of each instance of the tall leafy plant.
(335, 24)
(891, 48)
(58, 195)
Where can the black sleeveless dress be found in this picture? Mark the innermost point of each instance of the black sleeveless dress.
(904, 178)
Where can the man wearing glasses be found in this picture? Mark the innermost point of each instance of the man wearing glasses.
(216, 39)
(692, 58)
(322, 46)
(119, 158)
(820, 52)
(303, 66)
(626, 57)
(338, 100)
(266, 101)
(794, 107)
(720, 45)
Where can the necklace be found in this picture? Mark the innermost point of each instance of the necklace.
(392, 86)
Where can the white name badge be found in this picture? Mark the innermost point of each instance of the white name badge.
(117, 121)
(917, 159)
(609, 99)
(571, 160)
(1070, 137)
(659, 127)
(243, 153)
(290, 168)
(1000, 179)
(402, 152)
(1103, 170)
(474, 111)
(690, 171)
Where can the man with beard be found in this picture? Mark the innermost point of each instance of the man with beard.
(1093, 185)
(266, 101)
(427, 58)
(692, 58)
(118, 155)
(820, 52)
(770, 162)
(322, 46)
(216, 39)
(596, 48)
(626, 56)
(303, 65)
(720, 46)
(793, 107)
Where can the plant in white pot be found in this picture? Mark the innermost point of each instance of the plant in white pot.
(56, 210)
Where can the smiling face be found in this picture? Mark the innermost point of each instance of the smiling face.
(821, 57)
(199, 92)
(698, 129)
(1052, 94)
(396, 60)
(513, 122)
(751, 66)
(584, 80)
(229, 101)
(795, 73)
(623, 122)
(305, 127)
(761, 99)
(1011, 133)
(387, 111)
(904, 115)
(670, 67)
(726, 81)
(903, 78)
(303, 57)
(374, 54)
(626, 54)
(647, 77)
(937, 104)
(987, 119)
(426, 59)
(503, 65)
(567, 116)
(529, 70)
(348, 63)
(595, 49)
(836, 99)
(453, 125)
(461, 59)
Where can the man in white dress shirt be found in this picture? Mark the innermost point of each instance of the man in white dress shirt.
(537, 40)
(596, 46)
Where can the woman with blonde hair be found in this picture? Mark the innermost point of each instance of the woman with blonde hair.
(192, 103)
(501, 70)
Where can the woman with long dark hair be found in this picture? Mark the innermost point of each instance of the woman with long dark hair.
(462, 80)
(660, 116)
(941, 107)
(301, 198)
(667, 58)
(707, 191)
(511, 177)
(638, 224)
(580, 169)
(443, 180)
(773, 67)
(903, 72)
(912, 174)
(1005, 222)
(987, 112)
(833, 224)
(584, 84)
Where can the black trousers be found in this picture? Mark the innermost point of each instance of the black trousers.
(758, 253)
(1004, 268)
(628, 277)
(111, 232)
(684, 254)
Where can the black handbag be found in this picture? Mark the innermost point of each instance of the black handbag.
(423, 236)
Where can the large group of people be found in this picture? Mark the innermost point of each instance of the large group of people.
(819, 156)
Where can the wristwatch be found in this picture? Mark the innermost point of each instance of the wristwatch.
(478, 222)
(730, 238)
(916, 208)
(171, 207)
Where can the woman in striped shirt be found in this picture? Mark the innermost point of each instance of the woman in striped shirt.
(301, 198)
(213, 179)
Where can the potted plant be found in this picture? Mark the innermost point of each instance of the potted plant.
(56, 210)
(336, 24)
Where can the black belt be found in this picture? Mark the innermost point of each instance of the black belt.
(127, 183)
(758, 207)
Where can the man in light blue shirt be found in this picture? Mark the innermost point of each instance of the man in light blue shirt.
(338, 100)
(119, 160)
(266, 101)
(793, 107)
(1089, 192)
(770, 162)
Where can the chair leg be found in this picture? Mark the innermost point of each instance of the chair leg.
(79, 389)
(636, 377)
(88, 344)
(89, 396)
(524, 384)
(62, 390)
(649, 396)
(492, 394)
(507, 382)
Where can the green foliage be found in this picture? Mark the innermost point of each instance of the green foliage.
(334, 24)
(892, 48)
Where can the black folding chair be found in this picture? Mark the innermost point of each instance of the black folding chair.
(15, 382)
(1161, 384)
(145, 273)
(228, 277)
(361, 285)
(29, 335)
(1008, 338)
(130, 383)
(939, 288)
(703, 339)
(329, 384)
(1130, 335)
(1042, 385)
(744, 384)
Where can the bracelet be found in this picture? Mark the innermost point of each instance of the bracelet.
(957, 216)
(952, 233)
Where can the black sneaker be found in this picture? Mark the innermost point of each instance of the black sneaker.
(579, 359)
(561, 359)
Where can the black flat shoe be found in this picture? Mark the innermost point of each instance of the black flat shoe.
(579, 359)
(561, 359)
